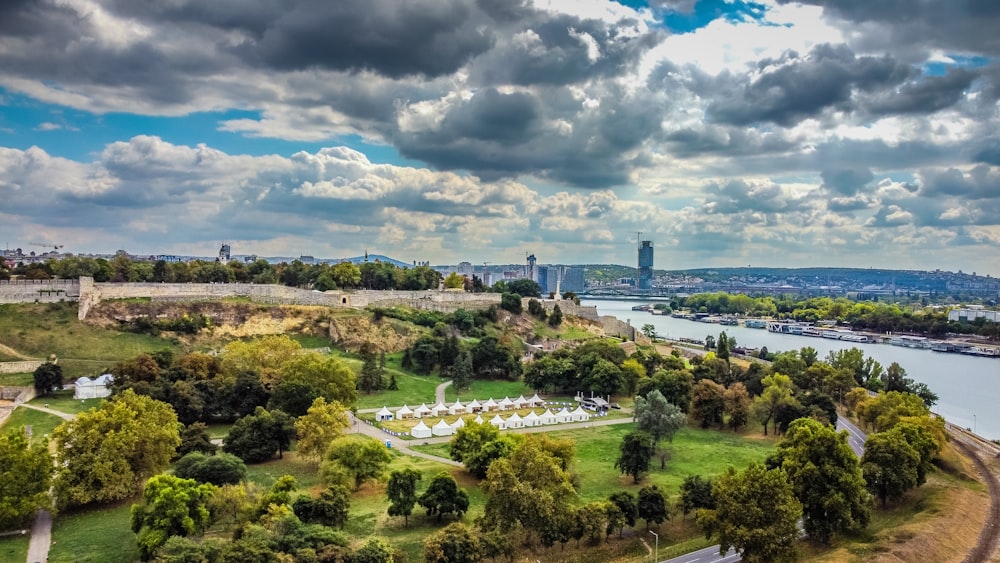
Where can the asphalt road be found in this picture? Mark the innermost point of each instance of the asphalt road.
(855, 439)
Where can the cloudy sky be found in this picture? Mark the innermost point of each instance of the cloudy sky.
(771, 133)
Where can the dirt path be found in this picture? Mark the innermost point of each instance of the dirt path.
(990, 534)
(12, 352)
(60, 414)
(439, 391)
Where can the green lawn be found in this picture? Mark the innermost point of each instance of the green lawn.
(413, 390)
(265, 474)
(309, 341)
(42, 423)
(483, 389)
(14, 548)
(63, 401)
(98, 535)
(16, 379)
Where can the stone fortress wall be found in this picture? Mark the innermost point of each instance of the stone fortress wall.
(89, 293)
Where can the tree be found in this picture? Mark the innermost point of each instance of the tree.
(632, 372)
(707, 403)
(371, 376)
(525, 287)
(195, 438)
(736, 401)
(659, 418)
(626, 503)
(25, 476)
(107, 453)
(722, 347)
(402, 493)
(652, 505)
(890, 465)
(536, 309)
(826, 478)
(265, 355)
(777, 393)
(170, 506)
(48, 378)
(454, 280)
(257, 437)
(443, 497)
(636, 450)
(322, 424)
(461, 372)
(362, 458)
(603, 378)
(333, 379)
(696, 493)
(756, 514)
(332, 508)
(511, 302)
(649, 330)
(455, 543)
(220, 469)
(556, 317)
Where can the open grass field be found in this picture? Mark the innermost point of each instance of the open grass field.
(63, 401)
(265, 474)
(42, 423)
(483, 389)
(16, 379)
(97, 535)
(14, 548)
(413, 390)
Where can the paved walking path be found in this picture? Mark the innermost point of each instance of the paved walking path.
(60, 414)
(439, 391)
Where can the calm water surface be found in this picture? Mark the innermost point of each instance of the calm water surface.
(968, 386)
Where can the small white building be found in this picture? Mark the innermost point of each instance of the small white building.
(536, 401)
(547, 417)
(580, 415)
(499, 422)
(439, 410)
(97, 388)
(474, 407)
(422, 411)
(421, 430)
(442, 428)
(563, 416)
(515, 421)
(532, 419)
(383, 415)
(521, 403)
(490, 405)
(457, 408)
(404, 412)
(506, 404)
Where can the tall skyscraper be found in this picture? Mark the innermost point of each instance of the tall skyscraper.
(646, 264)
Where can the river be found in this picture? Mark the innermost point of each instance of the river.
(968, 387)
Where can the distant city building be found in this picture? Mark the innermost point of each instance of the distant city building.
(465, 268)
(307, 259)
(543, 275)
(646, 265)
(973, 313)
(572, 280)
(529, 271)
(224, 253)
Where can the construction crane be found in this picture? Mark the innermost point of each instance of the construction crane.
(44, 245)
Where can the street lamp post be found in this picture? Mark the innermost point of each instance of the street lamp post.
(656, 550)
(973, 423)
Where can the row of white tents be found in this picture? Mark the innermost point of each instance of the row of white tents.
(472, 407)
(515, 420)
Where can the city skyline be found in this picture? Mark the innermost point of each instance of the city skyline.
(827, 133)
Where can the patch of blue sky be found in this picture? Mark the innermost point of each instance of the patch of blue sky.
(80, 135)
(703, 13)
(940, 68)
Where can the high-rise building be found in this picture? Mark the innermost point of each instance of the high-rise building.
(543, 275)
(224, 253)
(646, 264)
(529, 270)
(572, 280)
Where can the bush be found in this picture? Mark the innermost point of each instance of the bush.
(221, 469)
(511, 302)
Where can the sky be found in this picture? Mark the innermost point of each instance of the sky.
(768, 133)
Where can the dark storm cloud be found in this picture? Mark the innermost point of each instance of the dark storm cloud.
(926, 95)
(979, 183)
(794, 87)
(988, 152)
(492, 116)
(846, 181)
(741, 196)
(963, 25)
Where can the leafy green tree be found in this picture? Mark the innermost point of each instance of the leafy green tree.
(332, 508)
(511, 302)
(826, 478)
(258, 437)
(708, 403)
(25, 476)
(402, 493)
(220, 469)
(626, 503)
(346, 275)
(890, 465)
(651, 505)
(48, 378)
(525, 287)
(375, 550)
(371, 376)
(649, 330)
(461, 372)
(736, 401)
(491, 359)
(604, 378)
(637, 448)
(556, 317)
(443, 497)
(777, 393)
(170, 506)
(361, 457)
(756, 514)
(265, 355)
(292, 397)
(722, 347)
(674, 385)
(455, 543)
(333, 379)
(107, 453)
(322, 424)
(696, 493)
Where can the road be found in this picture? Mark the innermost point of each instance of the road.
(855, 439)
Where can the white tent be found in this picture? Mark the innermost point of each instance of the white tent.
(506, 404)
(439, 409)
(515, 421)
(490, 405)
(87, 388)
(442, 429)
(422, 411)
(457, 408)
(563, 416)
(531, 419)
(478, 420)
(384, 414)
(580, 415)
(474, 406)
(547, 417)
(521, 403)
(404, 412)
(499, 422)
(458, 424)
(421, 430)
(536, 401)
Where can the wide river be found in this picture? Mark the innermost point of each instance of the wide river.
(968, 386)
